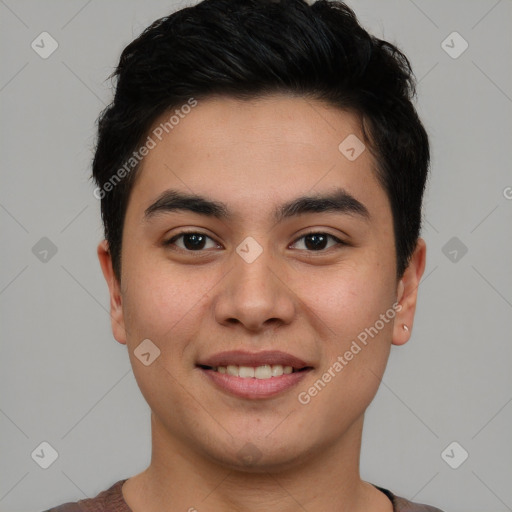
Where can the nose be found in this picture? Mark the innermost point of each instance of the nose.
(255, 294)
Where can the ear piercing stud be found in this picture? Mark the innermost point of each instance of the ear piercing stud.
(405, 327)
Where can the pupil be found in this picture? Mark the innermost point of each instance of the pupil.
(194, 240)
(318, 241)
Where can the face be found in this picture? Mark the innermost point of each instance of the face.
(238, 286)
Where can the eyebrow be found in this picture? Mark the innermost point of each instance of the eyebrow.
(338, 201)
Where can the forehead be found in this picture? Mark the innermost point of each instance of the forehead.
(252, 153)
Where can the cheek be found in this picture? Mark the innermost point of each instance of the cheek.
(349, 299)
(357, 338)
(355, 352)
(156, 300)
(158, 306)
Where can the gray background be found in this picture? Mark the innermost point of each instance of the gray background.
(65, 380)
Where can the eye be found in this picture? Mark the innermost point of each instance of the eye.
(192, 241)
(316, 241)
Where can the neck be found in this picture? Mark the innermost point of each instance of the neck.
(179, 478)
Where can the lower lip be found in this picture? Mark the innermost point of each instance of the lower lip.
(253, 388)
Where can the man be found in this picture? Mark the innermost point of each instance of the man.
(261, 172)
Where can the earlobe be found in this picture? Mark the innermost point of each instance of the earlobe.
(116, 306)
(407, 294)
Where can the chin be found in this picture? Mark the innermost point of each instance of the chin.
(260, 455)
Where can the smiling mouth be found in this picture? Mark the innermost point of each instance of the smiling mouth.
(262, 372)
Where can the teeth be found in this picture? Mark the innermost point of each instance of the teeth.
(261, 372)
(245, 372)
(277, 370)
(232, 370)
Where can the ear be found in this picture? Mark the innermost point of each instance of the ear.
(407, 294)
(116, 306)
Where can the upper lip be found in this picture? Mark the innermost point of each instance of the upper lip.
(241, 358)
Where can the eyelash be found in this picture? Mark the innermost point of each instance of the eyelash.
(171, 241)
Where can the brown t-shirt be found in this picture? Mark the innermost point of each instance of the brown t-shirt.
(112, 500)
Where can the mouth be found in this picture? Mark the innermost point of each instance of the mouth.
(254, 376)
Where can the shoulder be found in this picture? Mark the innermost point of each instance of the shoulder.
(109, 500)
(403, 505)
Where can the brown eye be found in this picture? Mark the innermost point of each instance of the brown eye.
(317, 241)
(192, 241)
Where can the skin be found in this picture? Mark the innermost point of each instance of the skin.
(252, 156)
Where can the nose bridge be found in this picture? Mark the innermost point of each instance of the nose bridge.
(252, 292)
(253, 278)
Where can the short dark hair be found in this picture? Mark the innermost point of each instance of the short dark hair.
(246, 49)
